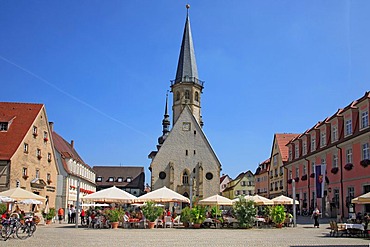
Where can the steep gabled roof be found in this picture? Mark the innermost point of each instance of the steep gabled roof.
(66, 150)
(282, 140)
(20, 118)
(136, 173)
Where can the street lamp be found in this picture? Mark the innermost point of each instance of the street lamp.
(77, 203)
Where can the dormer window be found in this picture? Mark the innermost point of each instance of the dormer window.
(334, 133)
(119, 179)
(323, 139)
(313, 143)
(3, 126)
(296, 152)
(99, 179)
(348, 127)
(128, 179)
(364, 119)
(111, 179)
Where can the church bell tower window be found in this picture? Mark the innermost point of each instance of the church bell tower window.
(187, 94)
(177, 96)
(196, 96)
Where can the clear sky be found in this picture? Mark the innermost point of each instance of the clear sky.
(102, 69)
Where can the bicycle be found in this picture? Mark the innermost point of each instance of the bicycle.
(14, 227)
(30, 221)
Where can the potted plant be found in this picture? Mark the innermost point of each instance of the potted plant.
(185, 216)
(49, 215)
(348, 166)
(312, 175)
(334, 170)
(114, 216)
(365, 162)
(278, 215)
(198, 215)
(245, 212)
(151, 212)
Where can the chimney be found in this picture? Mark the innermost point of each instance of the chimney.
(51, 125)
(72, 143)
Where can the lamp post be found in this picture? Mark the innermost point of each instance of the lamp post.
(294, 208)
(77, 203)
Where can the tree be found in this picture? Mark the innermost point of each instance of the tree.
(245, 212)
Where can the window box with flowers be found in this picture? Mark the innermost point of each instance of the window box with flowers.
(46, 139)
(312, 175)
(334, 170)
(25, 177)
(72, 187)
(290, 181)
(296, 179)
(49, 181)
(304, 177)
(39, 157)
(365, 162)
(34, 135)
(348, 166)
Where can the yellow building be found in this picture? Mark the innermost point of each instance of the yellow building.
(243, 184)
(27, 157)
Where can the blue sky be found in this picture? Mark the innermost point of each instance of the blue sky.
(102, 69)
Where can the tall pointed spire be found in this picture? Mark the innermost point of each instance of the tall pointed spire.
(187, 66)
(165, 123)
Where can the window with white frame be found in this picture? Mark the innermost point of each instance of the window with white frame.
(304, 148)
(323, 160)
(25, 147)
(290, 153)
(335, 160)
(37, 173)
(290, 174)
(34, 130)
(348, 127)
(349, 156)
(24, 171)
(365, 151)
(281, 183)
(364, 119)
(334, 133)
(304, 170)
(296, 151)
(313, 167)
(297, 172)
(323, 139)
(313, 143)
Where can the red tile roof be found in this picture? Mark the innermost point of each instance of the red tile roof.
(66, 150)
(282, 140)
(20, 117)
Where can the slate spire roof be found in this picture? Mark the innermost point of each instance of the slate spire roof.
(187, 66)
(165, 123)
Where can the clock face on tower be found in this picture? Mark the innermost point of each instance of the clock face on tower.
(186, 126)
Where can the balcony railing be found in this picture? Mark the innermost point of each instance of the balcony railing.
(188, 79)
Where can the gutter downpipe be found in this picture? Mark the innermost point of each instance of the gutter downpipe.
(341, 180)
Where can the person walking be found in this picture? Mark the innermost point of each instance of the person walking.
(315, 216)
(82, 215)
(70, 214)
(60, 215)
(73, 214)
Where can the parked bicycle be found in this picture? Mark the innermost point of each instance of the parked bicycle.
(13, 227)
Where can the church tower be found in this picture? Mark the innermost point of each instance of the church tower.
(187, 88)
(184, 160)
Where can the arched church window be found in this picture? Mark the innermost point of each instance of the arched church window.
(177, 96)
(196, 96)
(187, 94)
(185, 178)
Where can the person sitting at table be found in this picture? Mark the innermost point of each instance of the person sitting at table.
(359, 217)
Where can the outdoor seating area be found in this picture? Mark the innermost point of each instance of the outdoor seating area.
(348, 230)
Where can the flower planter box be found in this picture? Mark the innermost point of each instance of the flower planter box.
(312, 175)
(304, 177)
(365, 163)
(296, 179)
(290, 181)
(348, 166)
(334, 170)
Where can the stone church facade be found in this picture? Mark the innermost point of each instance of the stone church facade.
(184, 160)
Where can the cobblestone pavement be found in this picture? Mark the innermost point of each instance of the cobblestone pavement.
(302, 235)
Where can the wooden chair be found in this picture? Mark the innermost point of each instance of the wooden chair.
(338, 230)
(176, 221)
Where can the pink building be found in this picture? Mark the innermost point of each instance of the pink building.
(341, 142)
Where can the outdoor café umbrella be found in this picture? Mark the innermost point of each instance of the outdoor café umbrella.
(284, 200)
(363, 199)
(5, 199)
(216, 200)
(110, 195)
(30, 201)
(163, 194)
(260, 200)
(21, 194)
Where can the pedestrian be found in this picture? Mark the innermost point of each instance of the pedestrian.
(82, 215)
(73, 214)
(70, 214)
(60, 215)
(315, 216)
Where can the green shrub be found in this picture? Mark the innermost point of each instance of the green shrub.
(151, 212)
(278, 214)
(245, 212)
(2, 208)
(198, 214)
(115, 214)
(186, 214)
